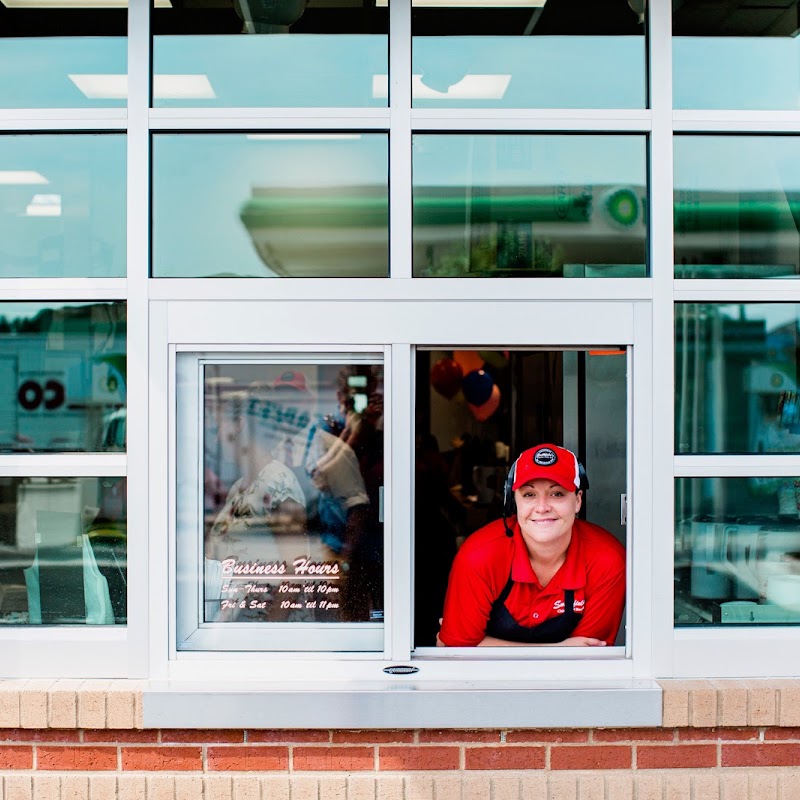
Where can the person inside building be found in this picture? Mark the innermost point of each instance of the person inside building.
(538, 576)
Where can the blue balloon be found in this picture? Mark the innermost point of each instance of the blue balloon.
(477, 387)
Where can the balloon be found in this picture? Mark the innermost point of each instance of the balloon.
(446, 376)
(477, 387)
(482, 413)
(494, 358)
(468, 359)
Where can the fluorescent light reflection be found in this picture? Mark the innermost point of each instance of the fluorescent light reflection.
(302, 136)
(165, 87)
(44, 205)
(21, 177)
(470, 87)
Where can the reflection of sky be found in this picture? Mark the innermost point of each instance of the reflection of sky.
(201, 181)
(86, 174)
(546, 71)
(737, 163)
(30, 310)
(776, 315)
(736, 72)
(521, 160)
(287, 70)
(34, 72)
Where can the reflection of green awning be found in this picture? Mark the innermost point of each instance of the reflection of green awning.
(432, 210)
(742, 215)
(315, 212)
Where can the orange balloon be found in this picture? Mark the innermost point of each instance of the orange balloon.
(469, 360)
(482, 413)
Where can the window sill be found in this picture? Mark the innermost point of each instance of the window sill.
(403, 704)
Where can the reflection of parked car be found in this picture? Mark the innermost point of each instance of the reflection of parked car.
(114, 430)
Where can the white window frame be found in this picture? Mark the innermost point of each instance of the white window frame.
(286, 326)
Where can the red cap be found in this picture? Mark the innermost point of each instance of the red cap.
(291, 379)
(547, 461)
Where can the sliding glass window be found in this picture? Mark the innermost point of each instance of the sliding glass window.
(67, 57)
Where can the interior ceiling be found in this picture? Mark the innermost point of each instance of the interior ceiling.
(734, 17)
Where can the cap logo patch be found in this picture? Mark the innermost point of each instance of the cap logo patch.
(545, 457)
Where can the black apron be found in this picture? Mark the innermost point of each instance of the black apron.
(502, 625)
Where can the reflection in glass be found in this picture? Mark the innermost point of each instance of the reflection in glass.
(63, 551)
(293, 476)
(553, 54)
(464, 449)
(63, 374)
(63, 58)
(270, 205)
(736, 373)
(737, 551)
(529, 206)
(735, 55)
(62, 206)
(284, 53)
(737, 202)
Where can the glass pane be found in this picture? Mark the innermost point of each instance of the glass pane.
(736, 202)
(263, 53)
(63, 551)
(270, 205)
(62, 206)
(735, 55)
(517, 205)
(63, 57)
(475, 412)
(292, 501)
(736, 372)
(64, 369)
(737, 551)
(533, 54)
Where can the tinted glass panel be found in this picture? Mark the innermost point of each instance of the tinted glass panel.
(62, 58)
(736, 374)
(537, 54)
(290, 541)
(63, 551)
(63, 377)
(270, 205)
(737, 199)
(737, 551)
(259, 53)
(735, 55)
(529, 206)
(475, 412)
(62, 206)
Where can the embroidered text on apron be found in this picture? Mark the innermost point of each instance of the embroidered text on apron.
(502, 625)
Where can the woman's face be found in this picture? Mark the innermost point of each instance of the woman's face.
(546, 512)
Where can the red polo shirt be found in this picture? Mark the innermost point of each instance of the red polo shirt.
(594, 569)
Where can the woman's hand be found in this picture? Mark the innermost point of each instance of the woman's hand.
(581, 641)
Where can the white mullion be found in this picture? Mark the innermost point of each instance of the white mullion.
(63, 465)
(396, 288)
(663, 355)
(67, 289)
(759, 122)
(527, 120)
(737, 291)
(26, 120)
(737, 466)
(137, 346)
(398, 502)
(400, 144)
